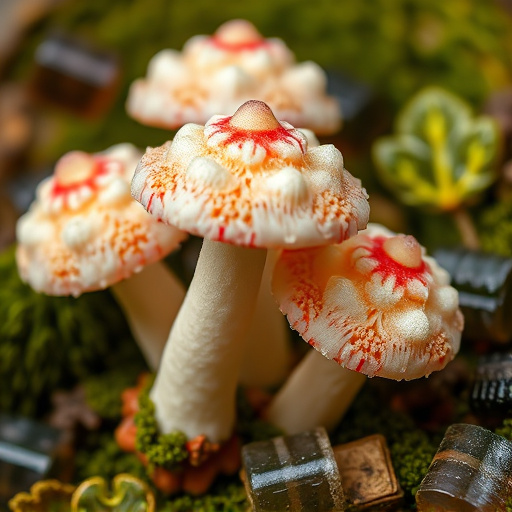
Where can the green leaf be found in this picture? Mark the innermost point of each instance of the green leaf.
(440, 157)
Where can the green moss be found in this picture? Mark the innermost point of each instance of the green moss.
(496, 228)
(165, 450)
(103, 392)
(506, 429)
(48, 343)
(101, 456)
(225, 497)
(412, 456)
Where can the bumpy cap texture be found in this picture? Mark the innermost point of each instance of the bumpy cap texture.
(215, 74)
(84, 231)
(375, 304)
(251, 180)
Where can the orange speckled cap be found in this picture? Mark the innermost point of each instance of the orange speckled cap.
(84, 231)
(375, 304)
(251, 180)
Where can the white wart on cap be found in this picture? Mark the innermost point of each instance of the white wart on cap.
(374, 304)
(251, 180)
(84, 232)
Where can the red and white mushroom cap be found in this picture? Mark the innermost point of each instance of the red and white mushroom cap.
(251, 180)
(238, 43)
(217, 73)
(375, 304)
(173, 94)
(84, 231)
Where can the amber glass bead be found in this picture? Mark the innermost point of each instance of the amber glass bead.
(471, 472)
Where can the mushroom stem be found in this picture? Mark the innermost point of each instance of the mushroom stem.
(195, 387)
(150, 300)
(317, 393)
(268, 354)
(466, 227)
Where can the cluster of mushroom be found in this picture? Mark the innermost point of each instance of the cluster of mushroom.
(218, 73)
(370, 302)
(245, 182)
(248, 182)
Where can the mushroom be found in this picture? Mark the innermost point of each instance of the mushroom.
(268, 354)
(244, 182)
(374, 304)
(217, 73)
(84, 232)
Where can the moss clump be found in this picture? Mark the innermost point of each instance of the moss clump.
(496, 228)
(225, 497)
(506, 429)
(48, 343)
(165, 450)
(101, 456)
(412, 456)
(103, 392)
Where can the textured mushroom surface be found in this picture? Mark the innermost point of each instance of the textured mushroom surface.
(84, 231)
(251, 180)
(214, 74)
(375, 304)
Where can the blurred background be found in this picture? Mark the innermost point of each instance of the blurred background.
(66, 66)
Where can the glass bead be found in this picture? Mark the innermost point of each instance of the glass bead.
(470, 472)
(293, 473)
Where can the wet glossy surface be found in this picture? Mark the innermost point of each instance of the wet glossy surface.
(471, 471)
(293, 473)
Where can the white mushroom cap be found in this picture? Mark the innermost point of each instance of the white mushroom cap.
(375, 304)
(170, 96)
(251, 180)
(84, 232)
(215, 74)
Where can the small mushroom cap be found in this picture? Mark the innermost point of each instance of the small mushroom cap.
(84, 231)
(375, 304)
(251, 180)
(215, 74)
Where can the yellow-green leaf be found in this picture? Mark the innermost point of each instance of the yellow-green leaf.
(440, 156)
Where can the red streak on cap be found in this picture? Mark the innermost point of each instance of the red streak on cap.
(238, 47)
(387, 266)
(254, 121)
(63, 189)
(238, 35)
(360, 365)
